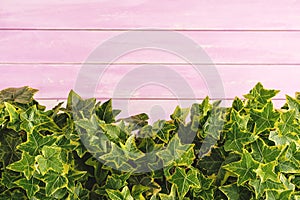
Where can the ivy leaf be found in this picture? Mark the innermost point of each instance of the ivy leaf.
(294, 104)
(80, 108)
(23, 95)
(32, 118)
(240, 120)
(264, 118)
(179, 115)
(260, 187)
(263, 153)
(54, 182)
(138, 190)
(50, 160)
(117, 195)
(171, 196)
(243, 169)
(116, 158)
(274, 194)
(35, 142)
(14, 117)
(288, 129)
(116, 181)
(183, 181)
(259, 96)
(9, 140)
(105, 112)
(235, 192)
(174, 151)
(267, 172)
(163, 129)
(236, 139)
(31, 186)
(24, 165)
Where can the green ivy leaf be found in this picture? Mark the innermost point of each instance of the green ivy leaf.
(50, 160)
(267, 172)
(183, 181)
(23, 95)
(80, 108)
(264, 118)
(54, 182)
(162, 129)
(236, 139)
(243, 169)
(35, 142)
(117, 195)
(175, 151)
(14, 117)
(235, 192)
(171, 196)
(259, 96)
(294, 104)
(31, 186)
(24, 165)
(260, 187)
(263, 153)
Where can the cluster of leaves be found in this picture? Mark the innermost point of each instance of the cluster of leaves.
(247, 151)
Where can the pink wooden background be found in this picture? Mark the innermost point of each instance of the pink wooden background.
(44, 43)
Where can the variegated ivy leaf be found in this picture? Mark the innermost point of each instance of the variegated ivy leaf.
(267, 172)
(288, 129)
(171, 196)
(50, 160)
(25, 165)
(264, 153)
(240, 120)
(35, 142)
(131, 150)
(260, 187)
(243, 169)
(235, 192)
(264, 118)
(74, 176)
(162, 130)
(117, 195)
(80, 108)
(236, 139)
(205, 190)
(175, 151)
(116, 181)
(54, 182)
(138, 190)
(116, 158)
(23, 95)
(275, 195)
(34, 119)
(9, 140)
(237, 104)
(31, 186)
(289, 161)
(259, 96)
(8, 178)
(184, 181)
(179, 115)
(105, 112)
(14, 117)
(294, 104)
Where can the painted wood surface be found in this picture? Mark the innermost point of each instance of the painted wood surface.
(221, 47)
(44, 44)
(55, 81)
(167, 14)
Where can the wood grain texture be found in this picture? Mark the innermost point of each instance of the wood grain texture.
(221, 47)
(126, 81)
(180, 14)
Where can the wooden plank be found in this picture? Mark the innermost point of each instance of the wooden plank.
(193, 14)
(144, 82)
(221, 47)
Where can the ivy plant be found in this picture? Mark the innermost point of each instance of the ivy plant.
(80, 149)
